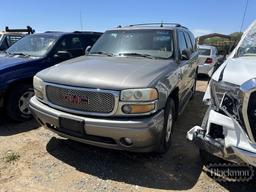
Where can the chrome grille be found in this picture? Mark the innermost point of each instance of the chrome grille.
(251, 112)
(91, 101)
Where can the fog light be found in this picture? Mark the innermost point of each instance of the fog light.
(127, 109)
(126, 141)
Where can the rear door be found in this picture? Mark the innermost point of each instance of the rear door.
(192, 63)
(184, 67)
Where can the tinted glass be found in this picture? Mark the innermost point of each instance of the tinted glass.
(75, 43)
(206, 52)
(193, 41)
(189, 44)
(182, 41)
(12, 39)
(157, 43)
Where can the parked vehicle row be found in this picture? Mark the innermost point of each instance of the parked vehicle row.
(130, 86)
(126, 93)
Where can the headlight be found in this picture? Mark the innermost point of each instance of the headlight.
(38, 87)
(148, 94)
(219, 89)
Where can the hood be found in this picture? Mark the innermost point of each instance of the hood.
(107, 72)
(6, 61)
(237, 70)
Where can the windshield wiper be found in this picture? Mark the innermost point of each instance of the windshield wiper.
(102, 53)
(137, 55)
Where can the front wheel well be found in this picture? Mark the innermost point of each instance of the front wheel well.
(15, 84)
(175, 96)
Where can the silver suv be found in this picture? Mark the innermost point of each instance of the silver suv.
(125, 93)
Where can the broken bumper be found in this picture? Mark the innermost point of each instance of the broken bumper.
(234, 146)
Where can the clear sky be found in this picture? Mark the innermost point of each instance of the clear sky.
(201, 16)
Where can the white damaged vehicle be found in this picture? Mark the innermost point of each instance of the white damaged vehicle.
(228, 130)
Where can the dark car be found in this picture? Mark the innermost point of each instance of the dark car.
(24, 59)
(125, 93)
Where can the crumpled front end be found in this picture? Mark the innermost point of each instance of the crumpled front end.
(229, 129)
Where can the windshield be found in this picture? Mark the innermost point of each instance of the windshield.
(149, 43)
(205, 52)
(248, 46)
(33, 45)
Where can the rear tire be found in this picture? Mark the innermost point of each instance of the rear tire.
(169, 118)
(17, 103)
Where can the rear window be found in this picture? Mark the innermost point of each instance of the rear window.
(11, 39)
(204, 51)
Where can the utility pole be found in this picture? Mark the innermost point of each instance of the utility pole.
(245, 10)
(81, 21)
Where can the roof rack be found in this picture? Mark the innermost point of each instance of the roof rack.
(53, 32)
(28, 30)
(161, 24)
(88, 32)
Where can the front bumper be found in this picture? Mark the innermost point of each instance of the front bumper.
(206, 69)
(235, 146)
(144, 132)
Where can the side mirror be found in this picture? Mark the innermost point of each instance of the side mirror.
(185, 54)
(87, 50)
(62, 55)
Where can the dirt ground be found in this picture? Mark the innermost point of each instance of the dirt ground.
(34, 159)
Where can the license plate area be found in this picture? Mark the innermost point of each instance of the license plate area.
(71, 126)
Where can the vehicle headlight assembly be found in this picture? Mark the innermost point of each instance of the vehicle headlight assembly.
(148, 94)
(219, 89)
(139, 101)
(38, 87)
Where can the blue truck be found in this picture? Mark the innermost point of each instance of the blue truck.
(31, 54)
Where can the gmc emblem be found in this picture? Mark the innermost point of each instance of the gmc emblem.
(76, 99)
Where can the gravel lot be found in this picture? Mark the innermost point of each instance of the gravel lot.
(34, 159)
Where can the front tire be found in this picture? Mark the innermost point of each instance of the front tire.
(17, 104)
(169, 118)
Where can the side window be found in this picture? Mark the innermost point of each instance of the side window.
(216, 51)
(63, 45)
(189, 44)
(11, 39)
(182, 41)
(75, 43)
(89, 40)
(94, 38)
(192, 38)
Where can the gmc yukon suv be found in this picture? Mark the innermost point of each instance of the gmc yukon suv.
(125, 93)
(20, 62)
